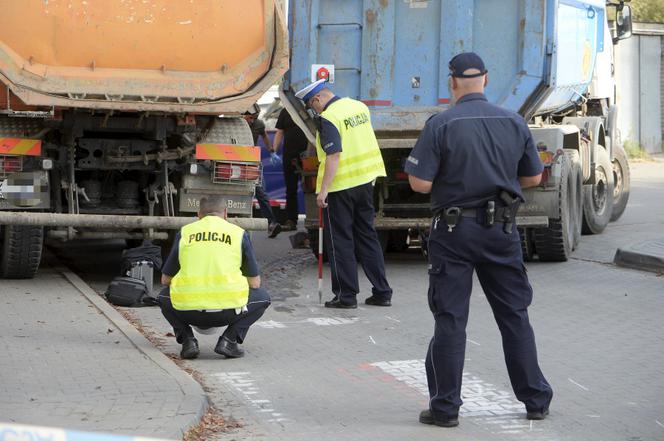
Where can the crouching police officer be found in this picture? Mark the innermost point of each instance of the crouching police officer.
(474, 159)
(213, 281)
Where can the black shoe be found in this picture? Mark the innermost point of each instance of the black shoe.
(377, 301)
(537, 414)
(336, 303)
(189, 349)
(228, 348)
(273, 229)
(427, 418)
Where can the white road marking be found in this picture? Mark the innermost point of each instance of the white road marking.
(659, 424)
(318, 321)
(245, 384)
(496, 409)
(473, 342)
(393, 319)
(580, 385)
(372, 340)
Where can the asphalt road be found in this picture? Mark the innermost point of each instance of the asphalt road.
(312, 373)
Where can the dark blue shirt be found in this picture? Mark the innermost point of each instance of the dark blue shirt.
(249, 266)
(473, 151)
(330, 140)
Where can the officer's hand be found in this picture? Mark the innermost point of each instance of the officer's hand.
(321, 199)
(275, 159)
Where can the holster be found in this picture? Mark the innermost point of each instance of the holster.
(511, 207)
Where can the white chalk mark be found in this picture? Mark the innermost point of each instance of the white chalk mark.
(372, 340)
(592, 416)
(186, 22)
(580, 385)
(473, 342)
(531, 425)
(393, 319)
(246, 385)
(659, 424)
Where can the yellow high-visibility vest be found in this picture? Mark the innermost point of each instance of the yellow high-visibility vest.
(361, 161)
(210, 255)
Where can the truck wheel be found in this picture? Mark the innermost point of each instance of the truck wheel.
(555, 243)
(621, 178)
(598, 198)
(398, 241)
(576, 195)
(527, 245)
(21, 251)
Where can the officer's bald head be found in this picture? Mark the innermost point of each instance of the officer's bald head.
(464, 86)
(212, 205)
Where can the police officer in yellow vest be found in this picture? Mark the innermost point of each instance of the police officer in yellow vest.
(212, 281)
(350, 161)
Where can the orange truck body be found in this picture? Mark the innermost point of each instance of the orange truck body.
(173, 56)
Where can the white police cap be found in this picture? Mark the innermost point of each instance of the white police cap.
(307, 92)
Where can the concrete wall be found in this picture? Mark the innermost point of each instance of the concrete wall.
(640, 86)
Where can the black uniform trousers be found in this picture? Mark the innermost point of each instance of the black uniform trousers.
(264, 204)
(496, 256)
(291, 179)
(237, 324)
(350, 238)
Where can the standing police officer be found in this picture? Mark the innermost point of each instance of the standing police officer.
(212, 281)
(350, 161)
(474, 159)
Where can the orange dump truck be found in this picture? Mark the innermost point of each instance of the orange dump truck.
(117, 116)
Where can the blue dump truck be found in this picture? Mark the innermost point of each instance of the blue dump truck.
(549, 60)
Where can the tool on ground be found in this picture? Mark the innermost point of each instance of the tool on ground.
(320, 255)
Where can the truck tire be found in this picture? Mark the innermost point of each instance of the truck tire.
(527, 245)
(21, 251)
(598, 197)
(621, 178)
(576, 195)
(555, 243)
(398, 241)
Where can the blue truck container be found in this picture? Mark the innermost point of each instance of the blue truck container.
(543, 57)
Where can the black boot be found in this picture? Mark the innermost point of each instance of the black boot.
(229, 349)
(189, 349)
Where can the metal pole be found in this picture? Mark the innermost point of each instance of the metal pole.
(320, 255)
(115, 221)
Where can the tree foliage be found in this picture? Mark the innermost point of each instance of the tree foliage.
(648, 10)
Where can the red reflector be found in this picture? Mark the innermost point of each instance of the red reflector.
(236, 172)
(10, 164)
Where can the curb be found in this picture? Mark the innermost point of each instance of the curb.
(644, 256)
(194, 399)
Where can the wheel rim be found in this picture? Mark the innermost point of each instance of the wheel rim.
(599, 191)
(618, 180)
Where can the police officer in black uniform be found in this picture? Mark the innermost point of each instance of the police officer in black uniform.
(474, 159)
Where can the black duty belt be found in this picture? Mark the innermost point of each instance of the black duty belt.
(487, 215)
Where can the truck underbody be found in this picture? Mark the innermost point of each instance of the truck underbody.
(86, 174)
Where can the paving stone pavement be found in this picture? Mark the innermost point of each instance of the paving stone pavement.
(314, 373)
(66, 363)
